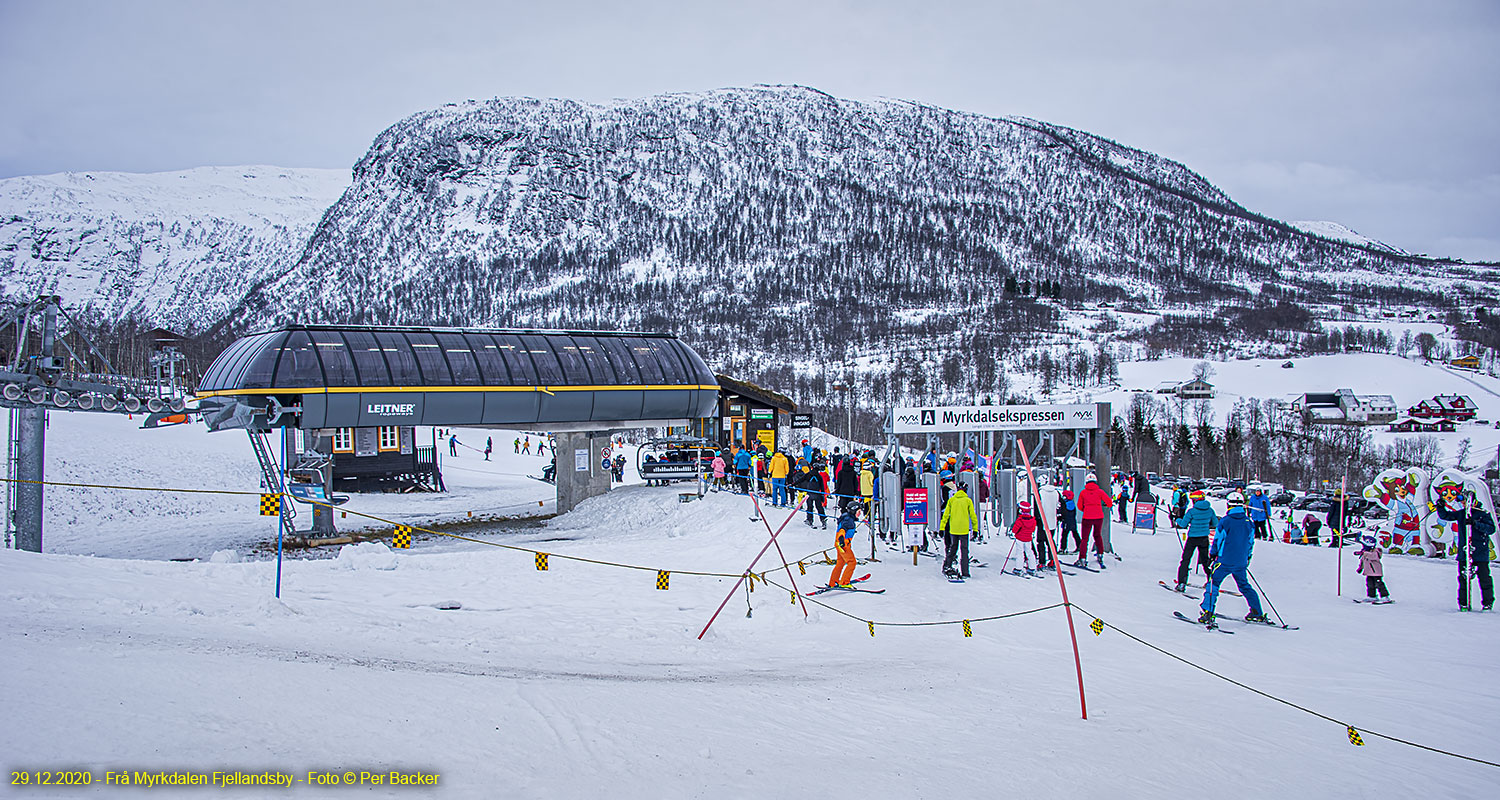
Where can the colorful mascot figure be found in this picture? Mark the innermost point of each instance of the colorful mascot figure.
(1402, 493)
(1452, 489)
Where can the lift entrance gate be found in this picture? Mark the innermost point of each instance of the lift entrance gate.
(977, 427)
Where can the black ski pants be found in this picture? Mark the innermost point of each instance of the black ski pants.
(1260, 529)
(1481, 553)
(1374, 584)
(956, 545)
(1069, 527)
(1194, 544)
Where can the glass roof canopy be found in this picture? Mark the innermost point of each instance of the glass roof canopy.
(358, 376)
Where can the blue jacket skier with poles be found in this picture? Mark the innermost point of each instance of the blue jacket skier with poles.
(1230, 551)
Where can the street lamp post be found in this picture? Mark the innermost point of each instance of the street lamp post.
(848, 390)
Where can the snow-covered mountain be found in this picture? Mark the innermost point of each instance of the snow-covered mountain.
(1333, 230)
(173, 248)
(780, 230)
(519, 210)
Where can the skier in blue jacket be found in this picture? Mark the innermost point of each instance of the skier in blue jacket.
(1233, 542)
(1260, 511)
(742, 470)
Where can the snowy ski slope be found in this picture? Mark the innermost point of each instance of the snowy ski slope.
(586, 680)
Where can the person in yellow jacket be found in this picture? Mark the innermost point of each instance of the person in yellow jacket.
(867, 487)
(959, 520)
(780, 468)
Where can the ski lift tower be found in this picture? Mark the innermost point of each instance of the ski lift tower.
(34, 379)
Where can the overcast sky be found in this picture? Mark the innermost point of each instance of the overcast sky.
(1377, 114)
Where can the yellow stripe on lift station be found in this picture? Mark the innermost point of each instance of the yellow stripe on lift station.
(373, 389)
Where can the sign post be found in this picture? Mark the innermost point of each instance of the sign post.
(914, 504)
(1145, 517)
(960, 419)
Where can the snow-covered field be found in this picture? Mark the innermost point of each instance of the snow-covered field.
(586, 680)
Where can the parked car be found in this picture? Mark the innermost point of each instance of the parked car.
(1282, 498)
(1305, 502)
(1317, 505)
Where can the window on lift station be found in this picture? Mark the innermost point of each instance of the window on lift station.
(390, 439)
(343, 440)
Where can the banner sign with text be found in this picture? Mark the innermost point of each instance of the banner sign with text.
(915, 501)
(950, 419)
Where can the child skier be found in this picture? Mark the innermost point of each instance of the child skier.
(1024, 530)
(1369, 566)
(719, 466)
(1067, 522)
(1291, 534)
(843, 538)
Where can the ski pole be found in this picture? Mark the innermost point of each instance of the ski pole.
(1266, 596)
(1006, 562)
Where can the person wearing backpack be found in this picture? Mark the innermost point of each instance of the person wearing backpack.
(1200, 521)
(1067, 522)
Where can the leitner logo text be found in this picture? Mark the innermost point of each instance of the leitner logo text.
(390, 409)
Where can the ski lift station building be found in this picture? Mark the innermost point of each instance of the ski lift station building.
(328, 378)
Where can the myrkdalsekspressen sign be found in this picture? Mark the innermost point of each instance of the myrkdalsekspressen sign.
(948, 419)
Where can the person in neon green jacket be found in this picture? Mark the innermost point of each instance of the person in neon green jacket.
(959, 520)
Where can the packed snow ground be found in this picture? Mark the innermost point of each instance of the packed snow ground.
(585, 680)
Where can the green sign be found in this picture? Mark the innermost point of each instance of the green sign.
(762, 413)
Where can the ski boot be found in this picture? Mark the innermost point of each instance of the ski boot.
(1207, 618)
(1082, 562)
(1260, 617)
(1180, 587)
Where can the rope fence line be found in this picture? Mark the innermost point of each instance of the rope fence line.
(1352, 730)
(1098, 624)
(819, 556)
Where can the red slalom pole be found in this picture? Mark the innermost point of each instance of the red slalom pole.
(762, 514)
(1036, 492)
(737, 583)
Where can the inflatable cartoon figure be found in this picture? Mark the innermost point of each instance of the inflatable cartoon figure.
(1402, 493)
(1452, 489)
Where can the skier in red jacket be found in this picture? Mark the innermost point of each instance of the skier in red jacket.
(1093, 509)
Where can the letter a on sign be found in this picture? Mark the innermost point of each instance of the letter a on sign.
(929, 417)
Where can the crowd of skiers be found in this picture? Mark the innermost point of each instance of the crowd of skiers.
(1221, 545)
(780, 477)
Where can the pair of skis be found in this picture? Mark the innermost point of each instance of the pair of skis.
(1172, 588)
(850, 588)
(1214, 626)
